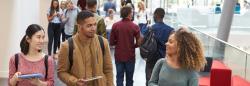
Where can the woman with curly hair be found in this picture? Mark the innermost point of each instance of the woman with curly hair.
(184, 58)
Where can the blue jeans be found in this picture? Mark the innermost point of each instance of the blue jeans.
(128, 68)
(143, 28)
(108, 33)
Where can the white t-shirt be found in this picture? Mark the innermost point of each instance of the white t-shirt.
(142, 16)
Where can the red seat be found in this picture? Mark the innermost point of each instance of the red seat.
(220, 75)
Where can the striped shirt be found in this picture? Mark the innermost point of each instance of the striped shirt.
(28, 67)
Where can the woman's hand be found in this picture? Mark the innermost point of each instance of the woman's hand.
(15, 79)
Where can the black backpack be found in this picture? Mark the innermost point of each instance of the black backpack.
(149, 47)
(71, 48)
(45, 64)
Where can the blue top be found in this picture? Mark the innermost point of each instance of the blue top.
(165, 75)
(162, 32)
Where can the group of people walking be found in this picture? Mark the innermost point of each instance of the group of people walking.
(84, 58)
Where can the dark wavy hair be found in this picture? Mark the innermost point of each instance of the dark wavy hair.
(30, 31)
(189, 50)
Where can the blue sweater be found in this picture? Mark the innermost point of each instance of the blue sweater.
(164, 75)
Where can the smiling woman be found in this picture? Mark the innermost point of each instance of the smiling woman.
(31, 60)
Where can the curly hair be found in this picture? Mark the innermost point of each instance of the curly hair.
(189, 50)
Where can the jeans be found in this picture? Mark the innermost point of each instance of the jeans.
(54, 33)
(108, 34)
(128, 68)
(143, 28)
(149, 70)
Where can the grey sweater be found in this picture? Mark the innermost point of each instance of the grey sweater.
(164, 75)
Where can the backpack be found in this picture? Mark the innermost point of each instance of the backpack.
(149, 47)
(71, 48)
(45, 64)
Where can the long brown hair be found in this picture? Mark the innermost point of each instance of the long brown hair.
(189, 50)
(52, 9)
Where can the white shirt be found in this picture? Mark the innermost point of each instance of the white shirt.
(109, 23)
(142, 16)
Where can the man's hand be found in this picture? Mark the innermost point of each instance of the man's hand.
(81, 82)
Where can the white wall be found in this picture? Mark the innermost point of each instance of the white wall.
(15, 17)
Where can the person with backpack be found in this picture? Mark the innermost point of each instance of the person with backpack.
(122, 37)
(31, 60)
(161, 33)
(183, 60)
(85, 59)
(101, 27)
(69, 18)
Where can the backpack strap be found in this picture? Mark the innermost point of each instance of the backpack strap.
(70, 53)
(71, 48)
(16, 61)
(102, 44)
(46, 66)
(45, 63)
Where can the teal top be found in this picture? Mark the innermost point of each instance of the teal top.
(164, 75)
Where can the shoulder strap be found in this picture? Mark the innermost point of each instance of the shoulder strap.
(70, 53)
(45, 63)
(46, 66)
(102, 44)
(16, 61)
(66, 13)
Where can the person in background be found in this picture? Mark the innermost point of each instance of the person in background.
(109, 21)
(54, 31)
(162, 32)
(124, 33)
(81, 4)
(109, 5)
(88, 59)
(142, 17)
(182, 62)
(130, 4)
(63, 6)
(101, 28)
(31, 60)
(70, 19)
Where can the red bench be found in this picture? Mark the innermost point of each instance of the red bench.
(220, 75)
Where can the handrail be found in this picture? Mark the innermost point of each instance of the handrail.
(217, 39)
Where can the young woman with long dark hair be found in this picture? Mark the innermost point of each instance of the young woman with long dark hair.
(31, 60)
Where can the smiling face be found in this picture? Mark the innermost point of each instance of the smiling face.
(171, 45)
(36, 42)
(87, 27)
